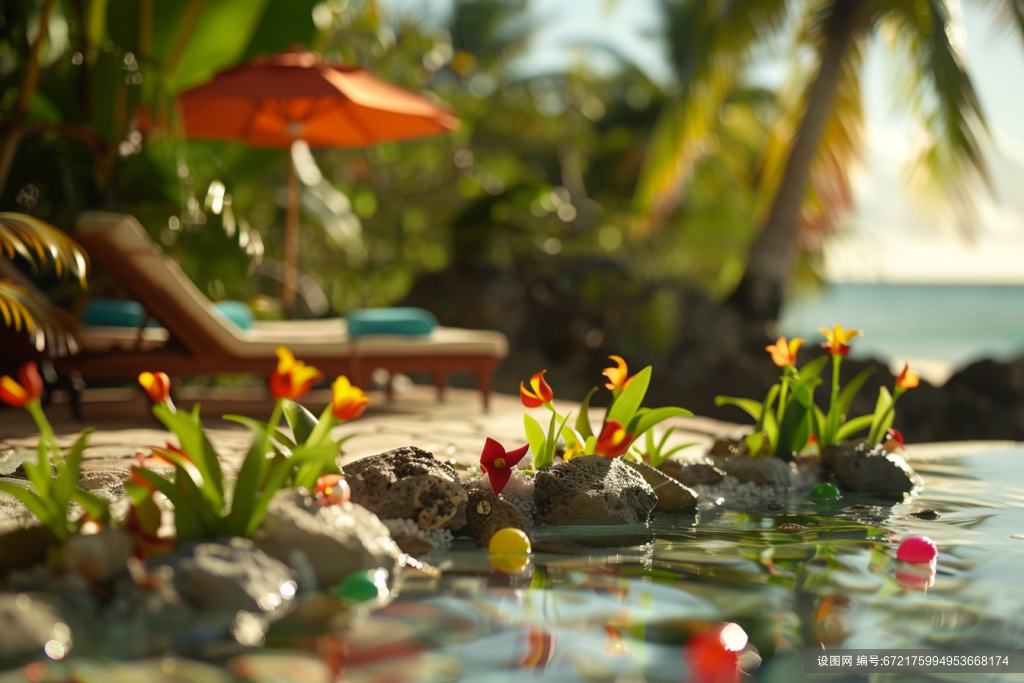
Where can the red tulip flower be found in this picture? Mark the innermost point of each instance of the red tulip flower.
(837, 339)
(157, 385)
(498, 463)
(539, 392)
(292, 378)
(783, 353)
(29, 386)
(613, 440)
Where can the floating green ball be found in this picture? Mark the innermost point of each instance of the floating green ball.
(357, 587)
(825, 491)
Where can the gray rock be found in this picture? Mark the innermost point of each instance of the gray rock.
(672, 496)
(409, 483)
(27, 624)
(593, 490)
(764, 471)
(692, 473)
(100, 556)
(487, 514)
(335, 540)
(231, 575)
(872, 470)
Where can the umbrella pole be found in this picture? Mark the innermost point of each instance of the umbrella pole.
(291, 238)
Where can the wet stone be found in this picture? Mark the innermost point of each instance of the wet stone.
(331, 540)
(593, 490)
(27, 625)
(409, 483)
(487, 513)
(692, 474)
(763, 471)
(231, 576)
(672, 495)
(871, 470)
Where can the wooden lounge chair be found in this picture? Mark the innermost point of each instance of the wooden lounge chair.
(195, 340)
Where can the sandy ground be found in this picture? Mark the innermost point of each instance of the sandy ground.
(453, 429)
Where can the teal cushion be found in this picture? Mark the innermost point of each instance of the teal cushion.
(115, 313)
(408, 321)
(237, 312)
(120, 313)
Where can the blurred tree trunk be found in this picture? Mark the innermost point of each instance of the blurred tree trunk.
(13, 132)
(772, 257)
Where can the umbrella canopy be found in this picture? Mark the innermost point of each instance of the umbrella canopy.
(277, 100)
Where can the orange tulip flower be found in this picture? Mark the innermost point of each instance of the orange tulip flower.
(498, 463)
(783, 353)
(541, 393)
(157, 385)
(292, 378)
(618, 377)
(613, 440)
(908, 379)
(348, 401)
(29, 386)
(836, 339)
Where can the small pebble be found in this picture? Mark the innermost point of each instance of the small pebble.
(917, 550)
(358, 587)
(825, 491)
(790, 527)
(925, 514)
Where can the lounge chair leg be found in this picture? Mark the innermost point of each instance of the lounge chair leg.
(76, 387)
(483, 383)
(440, 381)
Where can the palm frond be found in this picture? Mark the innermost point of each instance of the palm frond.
(42, 246)
(937, 90)
(48, 327)
(710, 43)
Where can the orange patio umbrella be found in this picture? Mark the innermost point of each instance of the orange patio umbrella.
(274, 101)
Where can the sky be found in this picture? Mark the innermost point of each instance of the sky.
(890, 237)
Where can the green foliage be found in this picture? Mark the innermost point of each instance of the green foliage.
(50, 501)
(202, 506)
(656, 452)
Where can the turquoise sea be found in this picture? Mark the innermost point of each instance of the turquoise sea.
(950, 324)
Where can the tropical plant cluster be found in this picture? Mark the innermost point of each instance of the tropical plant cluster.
(206, 501)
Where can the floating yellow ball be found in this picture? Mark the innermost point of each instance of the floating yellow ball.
(509, 542)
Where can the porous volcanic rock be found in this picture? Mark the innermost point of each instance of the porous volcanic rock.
(593, 490)
(872, 470)
(764, 471)
(332, 540)
(672, 496)
(409, 483)
(487, 514)
(692, 473)
(231, 575)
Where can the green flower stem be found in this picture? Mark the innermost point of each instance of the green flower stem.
(832, 420)
(875, 438)
(46, 436)
(275, 415)
(782, 396)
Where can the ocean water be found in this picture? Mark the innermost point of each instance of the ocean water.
(943, 326)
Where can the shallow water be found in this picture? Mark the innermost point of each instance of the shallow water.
(796, 577)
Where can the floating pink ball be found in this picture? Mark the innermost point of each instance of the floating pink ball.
(918, 550)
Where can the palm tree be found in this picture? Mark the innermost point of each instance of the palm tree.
(22, 307)
(937, 91)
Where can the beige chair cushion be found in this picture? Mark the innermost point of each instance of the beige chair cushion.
(306, 338)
